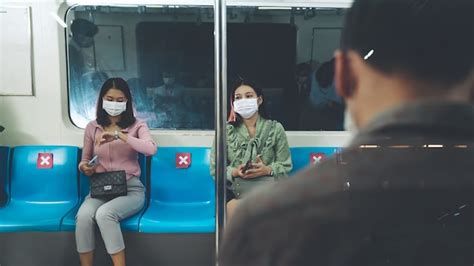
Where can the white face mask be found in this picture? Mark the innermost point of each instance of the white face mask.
(349, 123)
(114, 108)
(246, 107)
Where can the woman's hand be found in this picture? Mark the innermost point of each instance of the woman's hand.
(108, 136)
(258, 169)
(238, 172)
(105, 137)
(87, 170)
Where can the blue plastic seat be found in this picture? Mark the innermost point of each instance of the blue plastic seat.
(129, 224)
(40, 198)
(181, 200)
(4, 169)
(301, 155)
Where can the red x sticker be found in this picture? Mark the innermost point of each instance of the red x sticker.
(317, 157)
(45, 160)
(183, 159)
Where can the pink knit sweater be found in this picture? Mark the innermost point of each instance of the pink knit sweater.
(118, 155)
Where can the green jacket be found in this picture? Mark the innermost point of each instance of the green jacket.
(270, 141)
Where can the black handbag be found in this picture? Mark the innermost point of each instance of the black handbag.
(108, 185)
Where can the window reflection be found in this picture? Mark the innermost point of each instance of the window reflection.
(289, 52)
(167, 56)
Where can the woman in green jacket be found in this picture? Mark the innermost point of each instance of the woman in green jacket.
(257, 147)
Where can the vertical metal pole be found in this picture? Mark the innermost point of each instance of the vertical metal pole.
(220, 64)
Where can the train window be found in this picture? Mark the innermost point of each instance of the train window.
(288, 52)
(166, 55)
(164, 52)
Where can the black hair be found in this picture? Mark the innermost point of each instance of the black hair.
(325, 74)
(84, 27)
(429, 40)
(127, 118)
(247, 82)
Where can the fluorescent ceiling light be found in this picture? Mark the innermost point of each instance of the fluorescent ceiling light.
(273, 8)
(369, 54)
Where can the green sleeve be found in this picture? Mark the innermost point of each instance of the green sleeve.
(282, 164)
(229, 168)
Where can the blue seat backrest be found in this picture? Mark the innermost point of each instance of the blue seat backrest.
(29, 183)
(301, 155)
(4, 172)
(84, 180)
(193, 184)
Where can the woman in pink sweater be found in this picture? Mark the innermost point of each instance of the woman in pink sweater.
(116, 137)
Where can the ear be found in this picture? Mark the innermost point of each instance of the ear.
(259, 100)
(342, 75)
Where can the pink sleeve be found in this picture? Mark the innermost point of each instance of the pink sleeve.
(143, 143)
(88, 147)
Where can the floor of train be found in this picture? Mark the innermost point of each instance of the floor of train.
(58, 249)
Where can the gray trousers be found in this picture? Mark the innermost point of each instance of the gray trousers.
(107, 215)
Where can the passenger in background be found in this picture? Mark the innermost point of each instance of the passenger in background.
(116, 137)
(168, 102)
(257, 147)
(81, 58)
(170, 88)
(323, 93)
(402, 191)
(325, 109)
(82, 70)
(297, 97)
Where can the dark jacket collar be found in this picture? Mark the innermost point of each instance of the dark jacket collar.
(418, 119)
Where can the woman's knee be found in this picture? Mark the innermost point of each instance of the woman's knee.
(85, 216)
(104, 215)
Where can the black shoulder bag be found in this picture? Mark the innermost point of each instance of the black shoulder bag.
(108, 185)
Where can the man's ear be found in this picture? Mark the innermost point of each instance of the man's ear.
(342, 75)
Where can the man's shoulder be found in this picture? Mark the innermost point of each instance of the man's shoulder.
(309, 184)
(312, 184)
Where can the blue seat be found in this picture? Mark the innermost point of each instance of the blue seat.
(4, 167)
(301, 155)
(129, 224)
(40, 197)
(181, 200)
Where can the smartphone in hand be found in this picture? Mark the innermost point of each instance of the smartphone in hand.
(93, 161)
(247, 166)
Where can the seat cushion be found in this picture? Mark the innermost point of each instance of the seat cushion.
(164, 217)
(33, 216)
